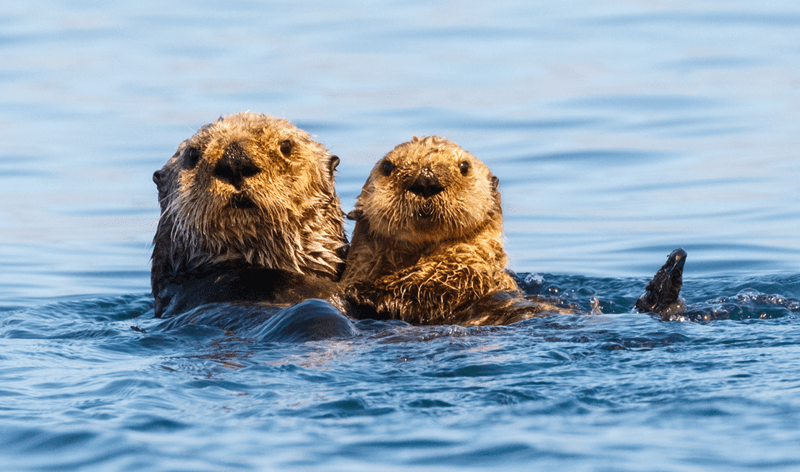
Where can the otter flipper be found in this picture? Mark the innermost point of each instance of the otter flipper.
(662, 294)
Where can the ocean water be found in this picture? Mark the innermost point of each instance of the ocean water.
(619, 130)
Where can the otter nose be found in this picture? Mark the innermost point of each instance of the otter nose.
(235, 166)
(426, 185)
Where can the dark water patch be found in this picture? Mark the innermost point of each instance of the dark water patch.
(512, 454)
(12, 39)
(219, 316)
(21, 158)
(710, 131)
(35, 441)
(255, 95)
(613, 342)
(691, 127)
(708, 18)
(380, 328)
(662, 103)
(154, 424)
(604, 157)
(717, 261)
(402, 333)
(42, 113)
(737, 298)
(146, 151)
(156, 342)
(521, 216)
(197, 50)
(24, 173)
(723, 247)
(430, 403)
(490, 370)
(508, 396)
(19, 166)
(65, 34)
(214, 386)
(454, 32)
(310, 320)
(745, 305)
(74, 319)
(122, 389)
(403, 443)
(99, 211)
(307, 321)
(736, 265)
(323, 126)
(456, 120)
(122, 277)
(713, 62)
(53, 450)
(613, 295)
(352, 407)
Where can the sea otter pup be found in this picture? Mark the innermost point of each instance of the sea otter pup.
(248, 213)
(427, 245)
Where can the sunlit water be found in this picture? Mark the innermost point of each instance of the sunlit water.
(619, 131)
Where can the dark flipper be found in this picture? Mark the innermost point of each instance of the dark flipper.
(662, 294)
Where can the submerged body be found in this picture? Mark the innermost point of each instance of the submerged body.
(249, 214)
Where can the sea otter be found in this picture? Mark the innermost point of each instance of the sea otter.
(427, 245)
(249, 213)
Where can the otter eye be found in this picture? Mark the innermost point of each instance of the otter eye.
(192, 156)
(387, 167)
(464, 167)
(286, 147)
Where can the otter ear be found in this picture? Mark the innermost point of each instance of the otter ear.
(355, 215)
(498, 206)
(333, 164)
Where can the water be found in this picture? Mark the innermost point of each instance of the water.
(619, 131)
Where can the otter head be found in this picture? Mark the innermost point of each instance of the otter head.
(248, 189)
(428, 190)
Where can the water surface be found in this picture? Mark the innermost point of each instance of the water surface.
(619, 131)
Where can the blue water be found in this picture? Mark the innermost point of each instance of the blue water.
(619, 131)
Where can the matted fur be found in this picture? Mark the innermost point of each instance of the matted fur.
(290, 220)
(430, 259)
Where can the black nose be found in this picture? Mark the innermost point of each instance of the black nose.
(426, 185)
(235, 166)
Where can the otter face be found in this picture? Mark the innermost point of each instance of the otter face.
(427, 190)
(253, 188)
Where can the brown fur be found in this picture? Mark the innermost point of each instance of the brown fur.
(427, 246)
(247, 191)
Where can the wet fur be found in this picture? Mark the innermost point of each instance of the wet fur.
(662, 293)
(285, 217)
(435, 259)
